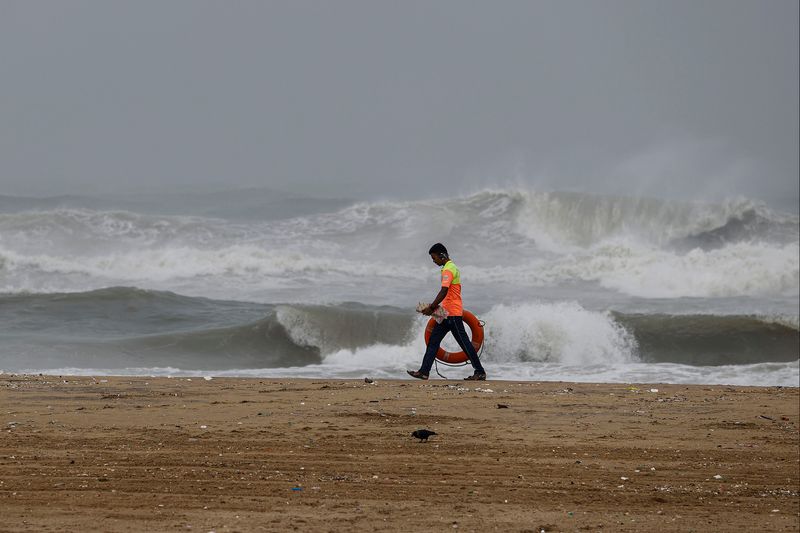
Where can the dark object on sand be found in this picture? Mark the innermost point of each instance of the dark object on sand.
(423, 434)
(502, 406)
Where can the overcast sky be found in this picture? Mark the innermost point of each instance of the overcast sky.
(370, 98)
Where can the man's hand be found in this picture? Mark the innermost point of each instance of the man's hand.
(433, 306)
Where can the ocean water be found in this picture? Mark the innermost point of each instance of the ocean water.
(570, 286)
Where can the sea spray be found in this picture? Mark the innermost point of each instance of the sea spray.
(561, 332)
(570, 286)
(740, 269)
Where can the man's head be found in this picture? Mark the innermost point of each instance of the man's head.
(439, 254)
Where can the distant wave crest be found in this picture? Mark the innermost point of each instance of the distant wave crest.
(637, 246)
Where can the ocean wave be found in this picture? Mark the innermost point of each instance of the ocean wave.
(561, 332)
(746, 224)
(127, 327)
(741, 269)
(330, 329)
(566, 334)
(82, 232)
(242, 204)
(559, 220)
(635, 246)
(548, 218)
(244, 262)
(711, 340)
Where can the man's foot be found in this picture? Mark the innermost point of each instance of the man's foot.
(477, 376)
(417, 374)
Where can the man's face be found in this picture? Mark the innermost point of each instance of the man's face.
(439, 260)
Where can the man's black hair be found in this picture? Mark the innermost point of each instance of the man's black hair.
(438, 248)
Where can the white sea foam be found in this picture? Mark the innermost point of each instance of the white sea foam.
(242, 261)
(790, 321)
(738, 256)
(740, 269)
(632, 246)
(563, 333)
(386, 359)
(761, 374)
(563, 221)
(556, 332)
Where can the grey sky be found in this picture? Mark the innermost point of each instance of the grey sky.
(414, 98)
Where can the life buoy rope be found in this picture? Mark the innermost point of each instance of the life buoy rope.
(458, 358)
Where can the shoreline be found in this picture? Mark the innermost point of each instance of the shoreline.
(131, 453)
(646, 374)
(217, 375)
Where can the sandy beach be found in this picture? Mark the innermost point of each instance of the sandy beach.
(192, 454)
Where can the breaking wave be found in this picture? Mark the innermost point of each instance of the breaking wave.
(570, 285)
(637, 246)
(126, 327)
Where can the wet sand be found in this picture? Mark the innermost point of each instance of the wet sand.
(159, 454)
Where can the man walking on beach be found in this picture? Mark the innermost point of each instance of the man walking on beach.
(449, 298)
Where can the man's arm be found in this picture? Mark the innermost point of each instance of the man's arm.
(439, 297)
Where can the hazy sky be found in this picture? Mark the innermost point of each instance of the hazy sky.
(412, 98)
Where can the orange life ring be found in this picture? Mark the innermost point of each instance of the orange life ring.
(455, 358)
